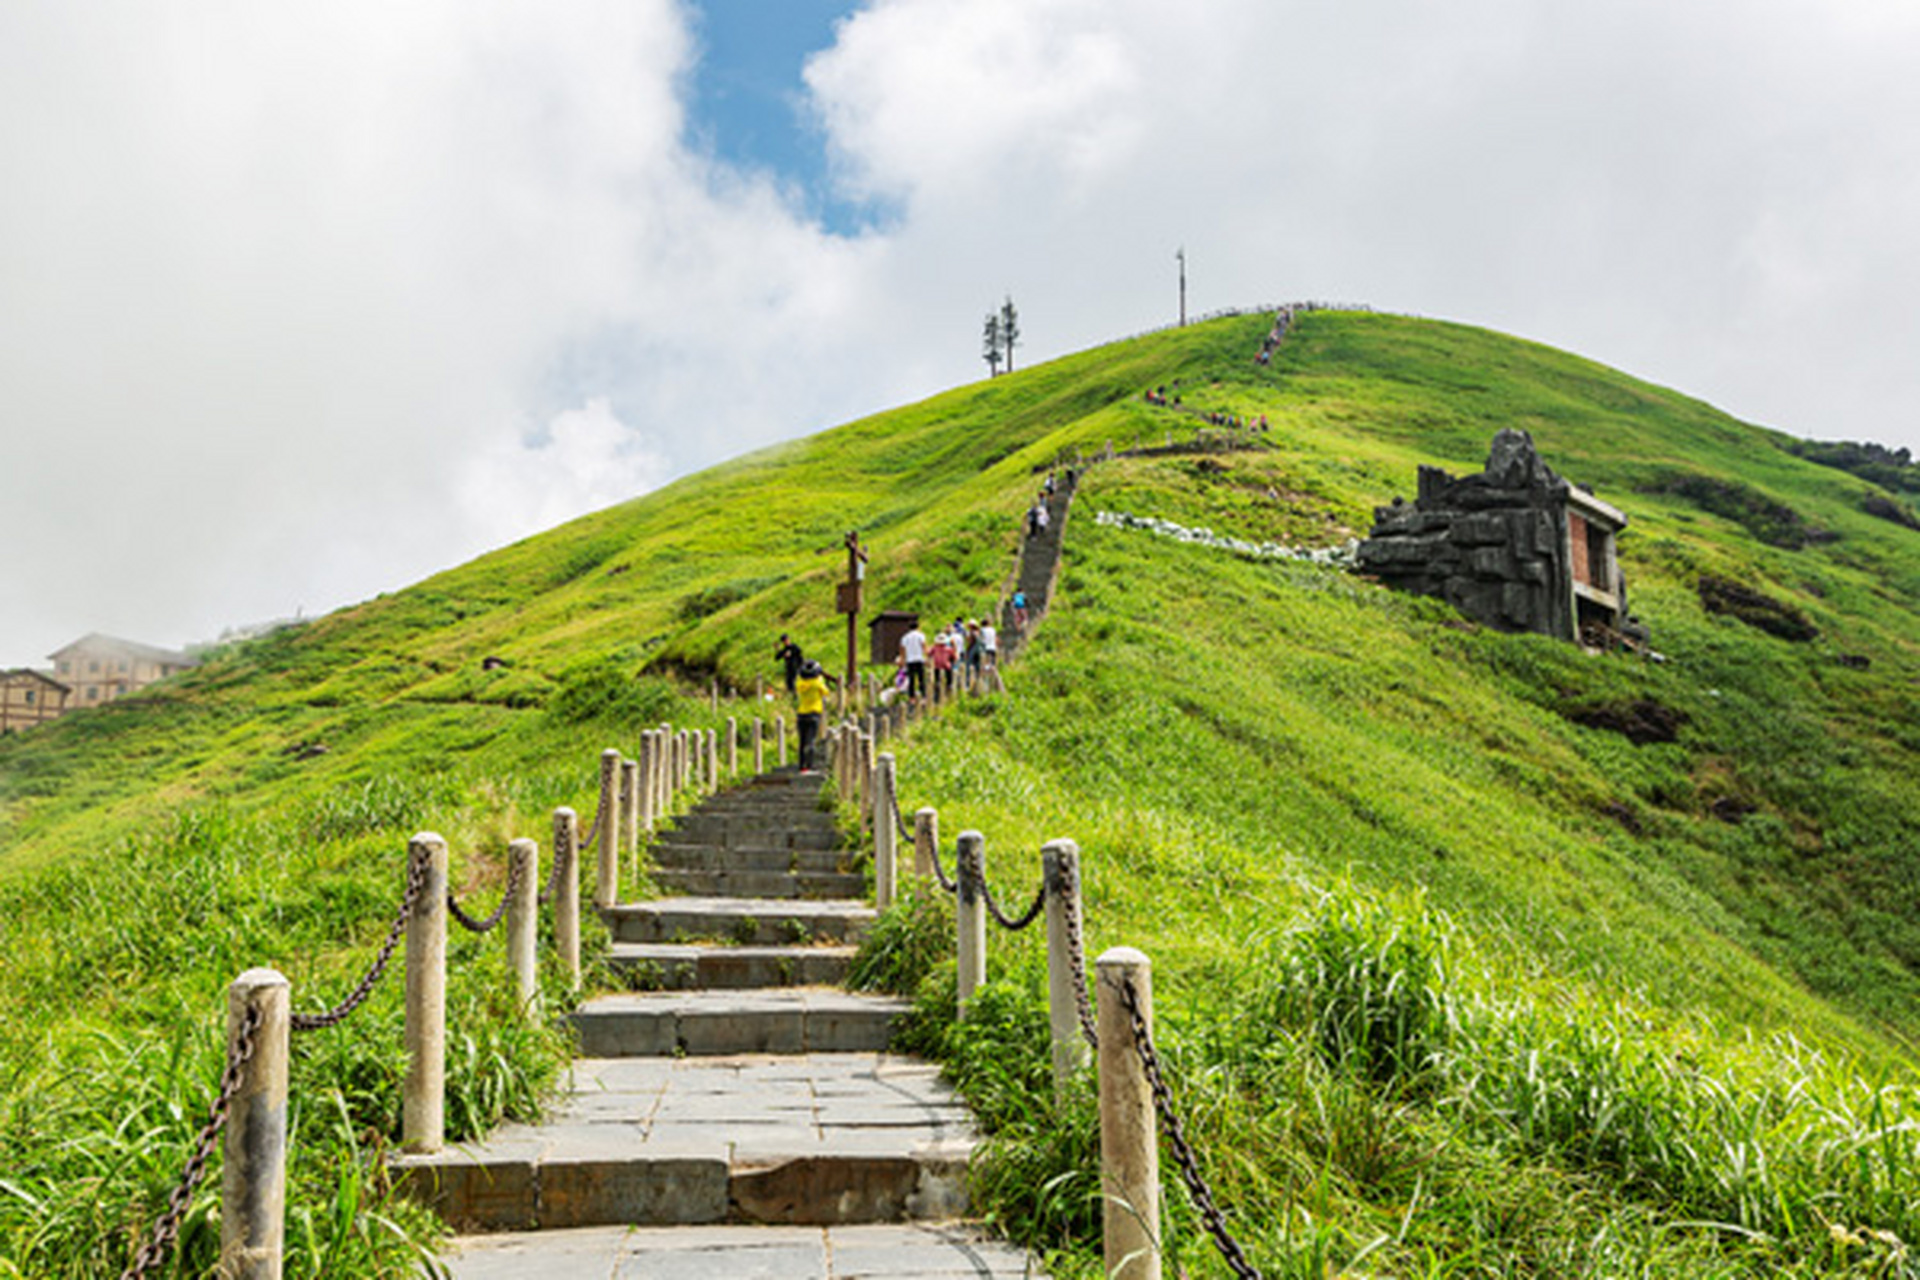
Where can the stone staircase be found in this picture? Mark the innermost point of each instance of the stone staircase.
(738, 1114)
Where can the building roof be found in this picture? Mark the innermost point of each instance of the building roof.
(16, 673)
(94, 642)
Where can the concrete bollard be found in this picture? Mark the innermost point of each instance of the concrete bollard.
(926, 839)
(607, 889)
(713, 760)
(713, 695)
(1060, 872)
(733, 747)
(643, 785)
(759, 749)
(523, 926)
(630, 808)
(780, 736)
(1129, 1137)
(423, 1103)
(566, 894)
(970, 917)
(886, 834)
(253, 1181)
(864, 777)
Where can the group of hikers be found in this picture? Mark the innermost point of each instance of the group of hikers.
(967, 649)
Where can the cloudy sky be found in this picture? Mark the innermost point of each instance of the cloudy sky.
(299, 303)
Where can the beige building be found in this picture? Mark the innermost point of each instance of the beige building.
(28, 698)
(100, 668)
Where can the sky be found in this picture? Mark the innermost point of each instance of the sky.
(299, 304)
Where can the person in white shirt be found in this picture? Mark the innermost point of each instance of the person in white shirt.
(913, 647)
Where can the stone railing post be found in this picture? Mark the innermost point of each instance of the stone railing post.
(970, 917)
(523, 926)
(864, 776)
(630, 808)
(607, 890)
(1060, 872)
(759, 749)
(1129, 1141)
(733, 747)
(423, 1103)
(886, 833)
(253, 1180)
(647, 805)
(780, 736)
(926, 839)
(713, 760)
(566, 894)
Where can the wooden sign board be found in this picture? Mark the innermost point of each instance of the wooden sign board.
(849, 597)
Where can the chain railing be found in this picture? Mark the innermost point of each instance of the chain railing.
(1197, 1189)
(416, 880)
(1000, 917)
(167, 1227)
(472, 925)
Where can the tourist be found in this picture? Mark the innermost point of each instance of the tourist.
(810, 703)
(989, 650)
(942, 659)
(913, 653)
(790, 658)
(1020, 613)
(973, 654)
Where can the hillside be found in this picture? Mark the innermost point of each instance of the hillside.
(1227, 739)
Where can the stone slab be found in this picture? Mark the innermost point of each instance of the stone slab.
(740, 919)
(910, 1251)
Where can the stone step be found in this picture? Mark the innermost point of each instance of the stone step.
(674, 856)
(896, 1251)
(710, 1023)
(818, 1139)
(752, 921)
(664, 966)
(761, 884)
(757, 833)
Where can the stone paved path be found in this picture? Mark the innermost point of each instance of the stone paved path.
(733, 1123)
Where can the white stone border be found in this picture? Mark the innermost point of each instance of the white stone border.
(1338, 557)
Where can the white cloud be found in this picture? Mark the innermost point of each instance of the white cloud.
(285, 287)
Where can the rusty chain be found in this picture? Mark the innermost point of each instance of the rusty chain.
(416, 881)
(950, 883)
(600, 810)
(561, 853)
(468, 923)
(1000, 917)
(893, 798)
(1197, 1189)
(1076, 953)
(154, 1251)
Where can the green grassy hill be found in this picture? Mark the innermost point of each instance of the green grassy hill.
(1255, 757)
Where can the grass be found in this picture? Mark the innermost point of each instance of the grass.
(1257, 760)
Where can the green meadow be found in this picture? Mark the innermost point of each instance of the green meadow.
(1450, 981)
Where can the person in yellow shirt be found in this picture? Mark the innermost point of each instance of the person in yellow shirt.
(810, 703)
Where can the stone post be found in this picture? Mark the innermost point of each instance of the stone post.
(566, 895)
(645, 785)
(926, 840)
(759, 749)
(886, 833)
(630, 808)
(864, 763)
(713, 695)
(523, 926)
(733, 747)
(970, 917)
(423, 1102)
(1129, 1143)
(713, 760)
(607, 890)
(1060, 872)
(253, 1181)
(780, 736)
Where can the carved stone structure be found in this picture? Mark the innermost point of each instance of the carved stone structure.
(1515, 547)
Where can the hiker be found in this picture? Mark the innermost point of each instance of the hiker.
(989, 652)
(809, 704)
(790, 657)
(973, 654)
(913, 652)
(1020, 613)
(942, 659)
